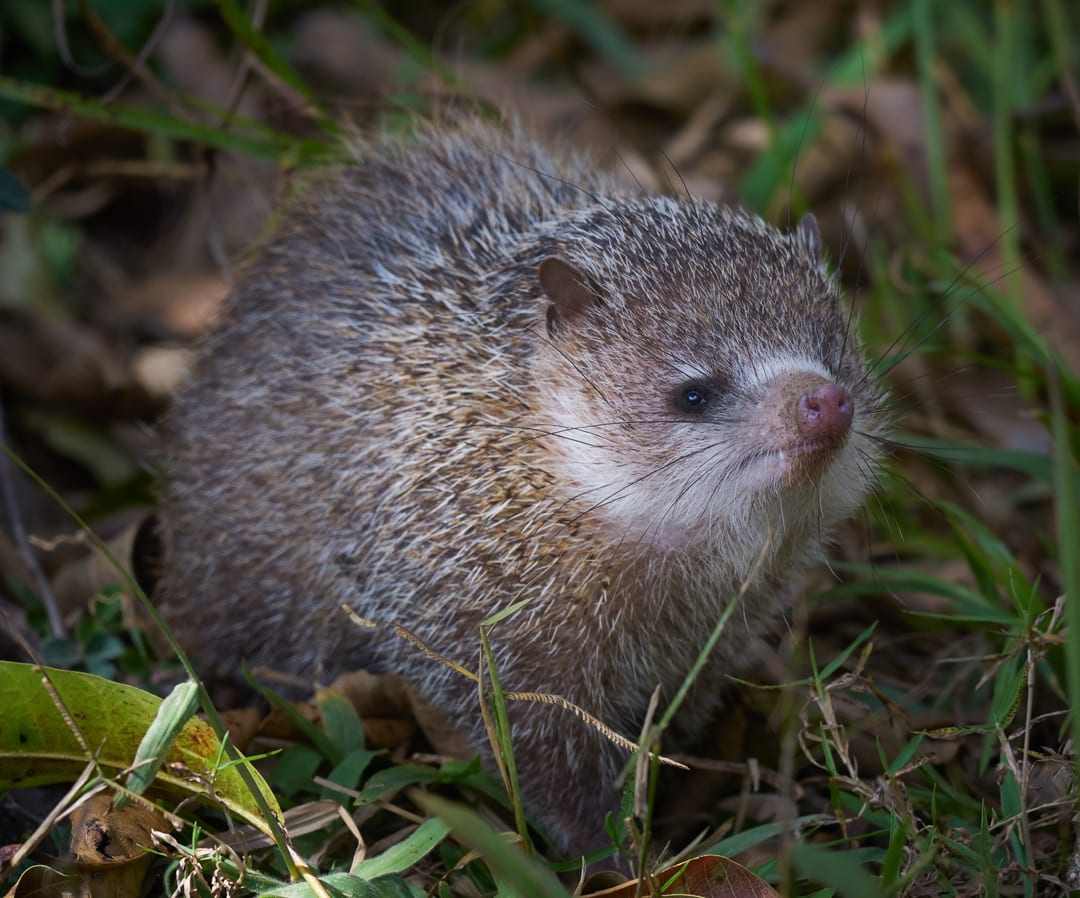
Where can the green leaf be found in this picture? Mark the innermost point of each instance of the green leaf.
(516, 873)
(389, 782)
(1011, 805)
(905, 755)
(842, 870)
(340, 722)
(348, 773)
(172, 715)
(38, 746)
(338, 885)
(1008, 682)
(400, 857)
(834, 665)
(295, 769)
(740, 842)
(894, 855)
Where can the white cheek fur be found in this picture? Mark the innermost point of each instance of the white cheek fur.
(712, 486)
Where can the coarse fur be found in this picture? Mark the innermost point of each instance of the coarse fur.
(400, 413)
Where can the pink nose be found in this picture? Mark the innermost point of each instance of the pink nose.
(825, 413)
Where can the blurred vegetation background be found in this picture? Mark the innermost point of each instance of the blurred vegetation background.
(144, 145)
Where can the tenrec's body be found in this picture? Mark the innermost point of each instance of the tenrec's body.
(465, 373)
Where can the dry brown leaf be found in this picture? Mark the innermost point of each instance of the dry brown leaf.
(242, 725)
(385, 732)
(681, 77)
(159, 370)
(343, 50)
(111, 847)
(1051, 780)
(40, 881)
(196, 64)
(277, 725)
(706, 876)
(80, 579)
(182, 303)
(891, 109)
(383, 704)
(60, 361)
(101, 836)
(373, 695)
(793, 42)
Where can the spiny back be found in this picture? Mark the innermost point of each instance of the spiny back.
(458, 198)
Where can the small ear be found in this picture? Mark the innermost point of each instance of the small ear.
(569, 290)
(810, 234)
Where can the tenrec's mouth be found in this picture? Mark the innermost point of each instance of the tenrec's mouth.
(798, 464)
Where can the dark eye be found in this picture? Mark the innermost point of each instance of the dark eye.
(693, 399)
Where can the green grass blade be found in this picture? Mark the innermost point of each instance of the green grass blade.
(839, 869)
(1037, 467)
(1068, 527)
(1005, 76)
(280, 147)
(255, 41)
(934, 133)
(505, 747)
(400, 857)
(518, 874)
